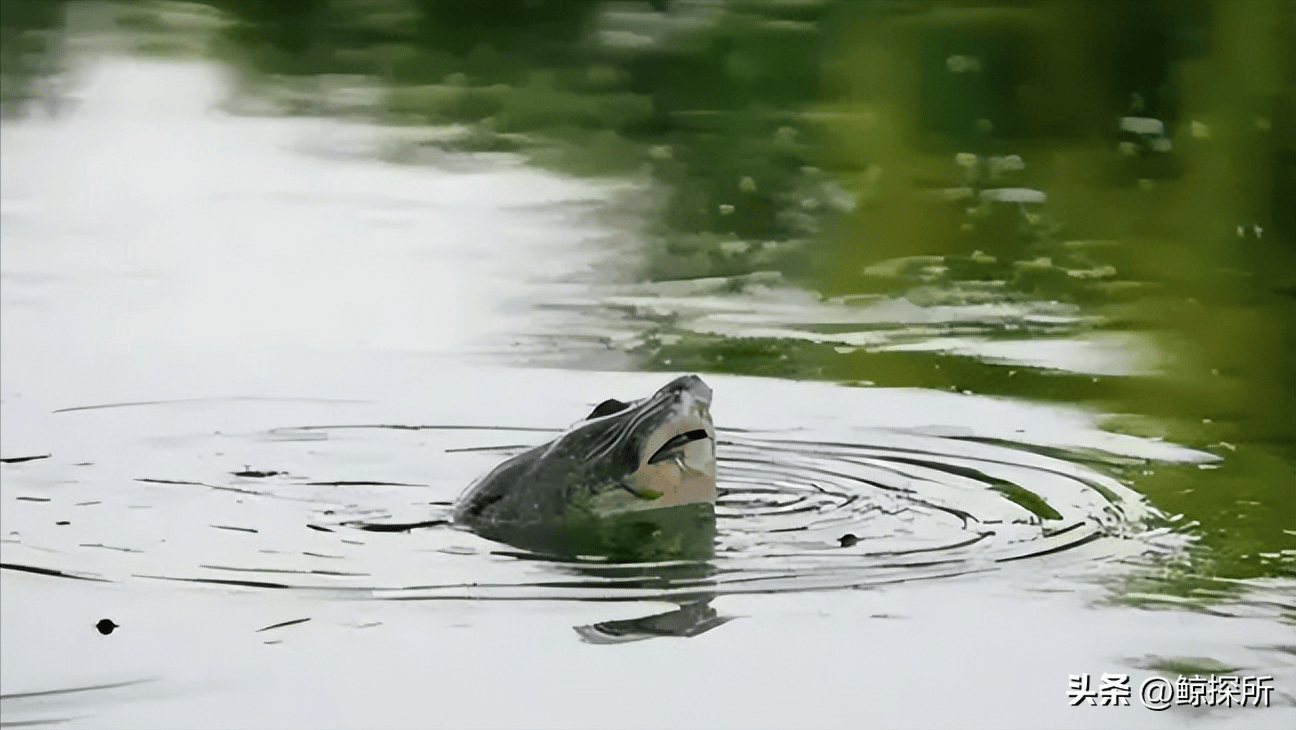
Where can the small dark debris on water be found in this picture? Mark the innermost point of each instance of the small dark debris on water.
(106, 626)
(319, 528)
(848, 540)
(254, 474)
(283, 624)
(21, 459)
(61, 523)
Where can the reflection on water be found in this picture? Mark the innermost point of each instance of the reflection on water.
(690, 619)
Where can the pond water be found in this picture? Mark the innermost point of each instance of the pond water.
(258, 365)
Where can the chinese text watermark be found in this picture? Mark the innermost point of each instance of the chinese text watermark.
(1159, 693)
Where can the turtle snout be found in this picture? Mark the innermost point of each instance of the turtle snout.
(690, 384)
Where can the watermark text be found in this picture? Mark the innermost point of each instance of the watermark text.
(1159, 693)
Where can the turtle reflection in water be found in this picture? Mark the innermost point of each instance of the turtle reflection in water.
(632, 482)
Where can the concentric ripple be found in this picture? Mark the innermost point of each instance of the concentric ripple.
(360, 511)
(900, 506)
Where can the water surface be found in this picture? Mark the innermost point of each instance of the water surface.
(244, 346)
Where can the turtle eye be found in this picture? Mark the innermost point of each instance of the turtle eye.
(607, 408)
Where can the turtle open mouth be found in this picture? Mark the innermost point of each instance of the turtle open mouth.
(677, 460)
(676, 443)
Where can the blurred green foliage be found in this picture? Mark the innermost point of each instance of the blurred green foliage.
(28, 48)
